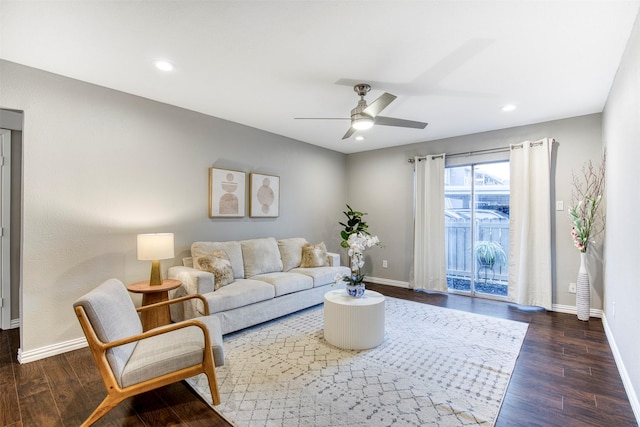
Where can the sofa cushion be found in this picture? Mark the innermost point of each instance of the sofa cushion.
(260, 256)
(286, 283)
(322, 275)
(217, 263)
(314, 255)
(238, 294)
(231, 248)
(291, 252)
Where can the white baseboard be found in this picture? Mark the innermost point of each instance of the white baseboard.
(382, 281)
(624, 375)
(15, 323)
(51, 350)
(571, 309)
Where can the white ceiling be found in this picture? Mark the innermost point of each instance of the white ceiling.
(261, 63)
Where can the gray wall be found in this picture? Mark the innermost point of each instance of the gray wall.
(381, 184)
(621, 130)
(101, 166)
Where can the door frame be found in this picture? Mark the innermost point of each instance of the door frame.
(5, 224)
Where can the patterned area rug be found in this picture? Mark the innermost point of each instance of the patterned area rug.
(436, 367)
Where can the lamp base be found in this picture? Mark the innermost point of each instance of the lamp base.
(156, 273)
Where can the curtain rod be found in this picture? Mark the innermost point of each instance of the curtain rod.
(487, 151)
(466, 153)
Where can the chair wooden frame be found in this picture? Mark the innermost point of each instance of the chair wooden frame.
(115, 393)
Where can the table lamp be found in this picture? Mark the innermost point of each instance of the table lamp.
(154, 247)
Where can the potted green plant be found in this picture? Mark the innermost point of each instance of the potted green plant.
(354, 225)
(489, 253)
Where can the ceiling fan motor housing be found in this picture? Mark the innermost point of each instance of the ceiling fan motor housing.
(359, 120)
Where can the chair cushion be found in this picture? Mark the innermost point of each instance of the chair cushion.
(215, 334)
(260, 256)
(113, 316)
(162, 354)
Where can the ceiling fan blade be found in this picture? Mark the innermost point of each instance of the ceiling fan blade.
(390, 121)
(321, 118)
(350, 132)
(379, 104)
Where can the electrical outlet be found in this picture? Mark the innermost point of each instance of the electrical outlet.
(384, 263)
(572, 288)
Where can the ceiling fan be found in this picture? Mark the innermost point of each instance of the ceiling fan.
(364, 116)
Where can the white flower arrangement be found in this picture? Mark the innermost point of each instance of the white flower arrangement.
(357, 242)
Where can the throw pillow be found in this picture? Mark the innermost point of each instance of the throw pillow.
(314, 255)
(231, 248)
(291, 252)
(217, 263)
(260, 256)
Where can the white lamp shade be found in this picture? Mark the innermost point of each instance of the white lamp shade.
(155, 246)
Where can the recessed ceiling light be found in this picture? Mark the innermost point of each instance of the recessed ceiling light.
(163, 65)
(359, 138)
(509, 107)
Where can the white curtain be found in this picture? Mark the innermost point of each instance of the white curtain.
(428, 271)
(530, 224)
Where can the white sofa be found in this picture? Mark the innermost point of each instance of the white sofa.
(270, 278)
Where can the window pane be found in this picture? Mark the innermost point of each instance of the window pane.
(491, 215)
(457, 222)
(477, 234)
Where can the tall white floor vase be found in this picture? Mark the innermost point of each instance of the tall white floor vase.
(583, 293)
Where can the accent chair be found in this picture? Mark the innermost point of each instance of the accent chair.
(131, 361)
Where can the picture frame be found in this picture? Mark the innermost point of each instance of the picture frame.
(264, 201)
(227, 193)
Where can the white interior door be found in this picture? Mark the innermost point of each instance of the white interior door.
(5, 197)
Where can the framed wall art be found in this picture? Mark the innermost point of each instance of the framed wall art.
(227, 190)
(265, 196)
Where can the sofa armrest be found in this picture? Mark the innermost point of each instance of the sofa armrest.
(194, 282)
(334, 259)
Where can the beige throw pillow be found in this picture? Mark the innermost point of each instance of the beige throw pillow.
(291, 252)
(314, 255)
(217, 263)
(231, 248)
(260, 256)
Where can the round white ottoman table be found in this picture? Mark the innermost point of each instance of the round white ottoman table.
(354, 323)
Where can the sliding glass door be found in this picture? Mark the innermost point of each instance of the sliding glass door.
(477, 228)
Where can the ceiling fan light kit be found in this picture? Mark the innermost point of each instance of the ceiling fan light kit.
(362, 123)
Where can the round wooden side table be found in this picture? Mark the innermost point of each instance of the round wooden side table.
(158, 316)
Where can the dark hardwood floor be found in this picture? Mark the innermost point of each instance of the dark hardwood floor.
(565, 376)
